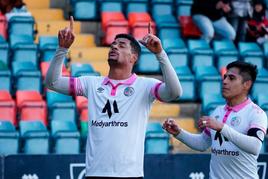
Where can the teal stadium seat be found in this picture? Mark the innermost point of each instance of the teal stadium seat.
(134, 6)
(9, 139)
(47, 47)
(79, 69)
(156, 140)
(21, 25)
(188, 84)
(147, 63)
(5, 78)
(35, 137)
(259, 87)
(225, 52)
(85, 10)
(252, 53)
(177, 52)
(262, 101)
(183, 10)
(61, 107)
(4, 54)
(26, 76)
(210, 85)
(111, 6)
(210, 102)
(66, 137)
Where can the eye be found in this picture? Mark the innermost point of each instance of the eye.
(232, 77)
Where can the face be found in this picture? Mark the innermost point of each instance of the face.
(258, 7)
(120, 52)
(233, 85)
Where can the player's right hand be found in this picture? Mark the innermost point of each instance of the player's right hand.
(66, 36)
(171, 127)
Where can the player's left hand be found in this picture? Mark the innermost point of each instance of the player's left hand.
(151, 42)
(206, 121)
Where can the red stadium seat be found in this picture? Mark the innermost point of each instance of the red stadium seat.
(34, 111)
(188, 28)
(112, 30)
(3, 25)
(135, 17)
(108, 17)
(84, 115)
(7, 108)
(140, 29)
(44, 67)
(31, 106)
(81, 103)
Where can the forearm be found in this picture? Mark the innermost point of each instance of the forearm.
(246, 143)
(54, 79)
(199, 142)
(171, 89)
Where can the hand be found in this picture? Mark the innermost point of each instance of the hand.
(151, 42)
(171, 127)
(206, 121)
(66, 35)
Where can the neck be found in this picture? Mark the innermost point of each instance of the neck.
(236, 100)
(119, 74)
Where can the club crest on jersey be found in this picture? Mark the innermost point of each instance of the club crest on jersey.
(100, 90)
(129, 91)
(235, 121)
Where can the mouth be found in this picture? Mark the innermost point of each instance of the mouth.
(113, 53)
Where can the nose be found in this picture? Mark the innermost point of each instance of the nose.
(113, 46)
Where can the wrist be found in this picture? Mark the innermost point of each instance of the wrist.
(177, 133)
(221, 125)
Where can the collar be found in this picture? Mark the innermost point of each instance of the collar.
(237, 107)
(128, 81)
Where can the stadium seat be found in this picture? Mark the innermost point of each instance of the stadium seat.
(110, 6)
(156, 140)
(21, 25)
(80, 69)
(169, 33)
(183, 2)
(259, 87)
(183, 10)
(136, 6)
(206, 71)
(251, 52)
(188, 28)
(210, 102)
(5, 78)
(47, 47)
(188, 84)
(35, 137)
(225, 53)
(66, 137)
(44, 67)
(26, 76)
(9, 139)
(61, 107)
(3, 26)
(16, 40)
(52, 14)
(201, 53)
(177, 51)
(147, 63)
(31, 106)
(210, 85)
(7, 107)
(85, 10)
(81, 103)
(4, 54)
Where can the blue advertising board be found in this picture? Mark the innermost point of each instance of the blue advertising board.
(178, 166)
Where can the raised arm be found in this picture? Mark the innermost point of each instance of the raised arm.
(171, 88)
(54, 79)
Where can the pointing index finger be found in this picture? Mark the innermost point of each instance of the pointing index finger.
(71, 23)
(149, 27)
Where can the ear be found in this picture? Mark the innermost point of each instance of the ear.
(134, 58)
(247, 84)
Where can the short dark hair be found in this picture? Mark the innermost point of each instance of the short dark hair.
(248, 71)
(135, 46)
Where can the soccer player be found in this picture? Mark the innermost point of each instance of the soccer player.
(234, 131)
(119, 104)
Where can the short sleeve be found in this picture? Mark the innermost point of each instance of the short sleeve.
(82, 85)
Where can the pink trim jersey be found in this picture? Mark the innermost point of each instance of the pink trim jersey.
(118, 114)
(227, 160)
